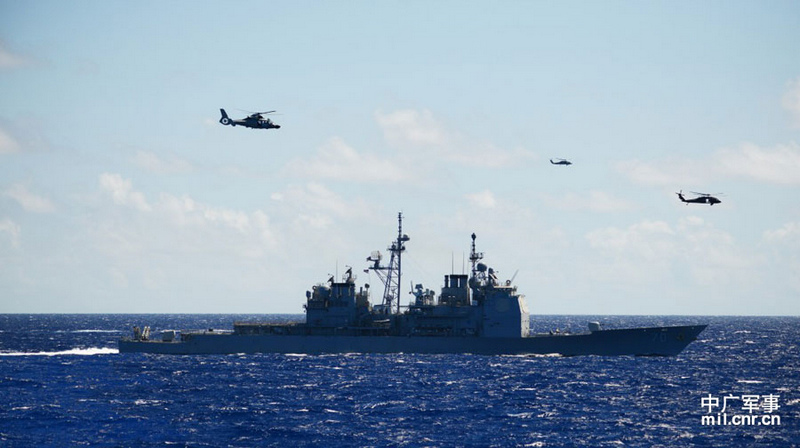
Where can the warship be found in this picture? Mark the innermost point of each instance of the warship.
(475, 313)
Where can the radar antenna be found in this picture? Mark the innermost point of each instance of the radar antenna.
(391, 275)
(474, 256)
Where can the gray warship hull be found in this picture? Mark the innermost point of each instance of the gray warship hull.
(651, 341)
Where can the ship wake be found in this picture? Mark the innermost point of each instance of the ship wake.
(73, 351)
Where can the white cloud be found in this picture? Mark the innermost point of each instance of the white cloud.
(784, 246)
(411, 127)
(151, 162)
(421, 145)
(337, 160)
(596, 201)
(11, 229)
(180, 242)
(181, 224)
(8, 145)
(420, 135)
(205, 226)
(788, 235)
(777, 165)
(654, 250)
(122, 192)
(9, 60)
(488, 155)
(665, 172)
(184, 212)
(483, 199)
(791, 101)
(317, 206)
(712, 254)
(648, 240)
(28, 200)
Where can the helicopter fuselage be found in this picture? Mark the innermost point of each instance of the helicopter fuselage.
(255, 124)
(703, 199)
(255, 121)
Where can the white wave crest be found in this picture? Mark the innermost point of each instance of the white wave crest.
(96, 331)
(88, 331)
(72, 351)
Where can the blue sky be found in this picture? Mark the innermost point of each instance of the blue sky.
(121, 192)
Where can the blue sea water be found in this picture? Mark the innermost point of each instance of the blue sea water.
(63, 383)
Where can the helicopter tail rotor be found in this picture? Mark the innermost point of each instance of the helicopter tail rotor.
(224, 120)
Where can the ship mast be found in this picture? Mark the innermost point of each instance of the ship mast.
(474, 256)
(478, 277)
(391, 275)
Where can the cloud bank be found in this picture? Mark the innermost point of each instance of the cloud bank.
(776, 165)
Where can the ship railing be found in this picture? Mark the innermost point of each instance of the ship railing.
(206, 331)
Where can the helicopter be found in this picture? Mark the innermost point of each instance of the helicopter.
(561, 162)
(702, 198)
(256, 121)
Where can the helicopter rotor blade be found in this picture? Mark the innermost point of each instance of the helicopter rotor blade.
(253, 113)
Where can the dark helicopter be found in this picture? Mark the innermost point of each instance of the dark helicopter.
(702, 198)
(255, 121)
(560, 162)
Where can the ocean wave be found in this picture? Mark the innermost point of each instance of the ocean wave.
(535, 355)
(72, 351)
(88, 330)
(97, 331)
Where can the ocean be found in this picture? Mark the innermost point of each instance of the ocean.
(63, 383)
